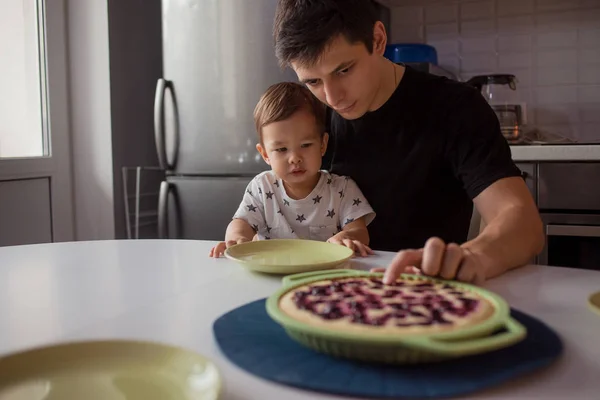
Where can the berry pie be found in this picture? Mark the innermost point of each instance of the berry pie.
(365, 304)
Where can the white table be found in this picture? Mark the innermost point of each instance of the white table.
(171, 292)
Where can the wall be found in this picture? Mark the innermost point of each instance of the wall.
(115, 60)
(135, 66)
(552, 46)
(91, 132)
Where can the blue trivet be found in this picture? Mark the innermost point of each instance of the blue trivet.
(253, 341)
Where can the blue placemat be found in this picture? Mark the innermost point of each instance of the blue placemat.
(252, 340)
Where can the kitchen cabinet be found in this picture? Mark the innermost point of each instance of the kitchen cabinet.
(568, 198)
(569, 186)
(25, 212)
(529, 174)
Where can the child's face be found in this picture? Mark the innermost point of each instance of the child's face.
(293, 147)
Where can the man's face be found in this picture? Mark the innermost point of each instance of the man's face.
(346, 77)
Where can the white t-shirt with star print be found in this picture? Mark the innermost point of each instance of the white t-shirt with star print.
(333, 203)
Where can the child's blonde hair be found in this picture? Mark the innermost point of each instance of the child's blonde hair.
(282, 100)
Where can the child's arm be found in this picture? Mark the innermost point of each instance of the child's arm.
(355, 236)
(238, 231)
(355, 214)
(246, 222)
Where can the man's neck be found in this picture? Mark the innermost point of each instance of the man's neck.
(390, 76)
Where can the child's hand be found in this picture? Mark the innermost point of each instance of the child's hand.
(343, 238)
(219, 249)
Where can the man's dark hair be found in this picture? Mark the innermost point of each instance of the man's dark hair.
(303, 28)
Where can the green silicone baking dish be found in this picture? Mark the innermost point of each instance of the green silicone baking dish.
(405, 349)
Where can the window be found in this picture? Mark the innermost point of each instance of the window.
(23, 111)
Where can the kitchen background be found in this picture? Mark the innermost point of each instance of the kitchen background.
(551, 46)
(114, 56)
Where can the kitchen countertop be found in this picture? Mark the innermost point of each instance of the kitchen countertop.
(556, 152)
(171, 291)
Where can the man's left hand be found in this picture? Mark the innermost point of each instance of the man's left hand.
(437, 259)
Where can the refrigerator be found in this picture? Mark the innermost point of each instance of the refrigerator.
(218, 59)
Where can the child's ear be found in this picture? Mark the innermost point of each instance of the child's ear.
(263, 153)
(324, 141)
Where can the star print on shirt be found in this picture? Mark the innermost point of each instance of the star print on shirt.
(349, 220)
(330, 213)
(249, 192)
(329, 181)
(259, 191)
(339, 228)
(270, 195)
(293, 231)
(267, 238)
(280, 212)
(255, 227)
(251, 208)
(317, 199)
(341, 192)
(269, 229)
(356, 202)
(301, 218)
(285, 202)
(276, 183)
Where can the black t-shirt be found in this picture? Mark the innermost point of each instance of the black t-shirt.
(421, 158)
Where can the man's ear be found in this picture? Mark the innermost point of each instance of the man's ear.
(263, 153)
(324, 141)
(379, 38)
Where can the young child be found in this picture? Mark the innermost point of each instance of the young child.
(296, 199)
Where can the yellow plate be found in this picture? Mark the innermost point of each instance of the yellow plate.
(108, 370)
(288, 256)
(594, 302)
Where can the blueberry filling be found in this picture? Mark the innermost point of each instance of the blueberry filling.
(399, 306)
(354, 299)
(424, 285)
(319, 290)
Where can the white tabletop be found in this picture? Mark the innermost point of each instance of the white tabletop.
(171, 292)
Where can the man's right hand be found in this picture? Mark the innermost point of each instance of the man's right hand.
(219, 249)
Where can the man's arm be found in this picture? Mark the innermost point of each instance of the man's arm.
(512, 237)
(480, 158)
(514, 232)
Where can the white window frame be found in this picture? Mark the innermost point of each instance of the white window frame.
(56, 166)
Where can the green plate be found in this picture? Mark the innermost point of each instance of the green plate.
(594, 302)
(405, 349)
(108, 370)
(288, 256)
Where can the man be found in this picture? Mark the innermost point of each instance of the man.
(423, 149)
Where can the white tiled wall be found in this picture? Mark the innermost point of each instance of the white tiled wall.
(552, 46)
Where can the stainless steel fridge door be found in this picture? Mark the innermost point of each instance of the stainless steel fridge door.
(218, 59)
(198, 208)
